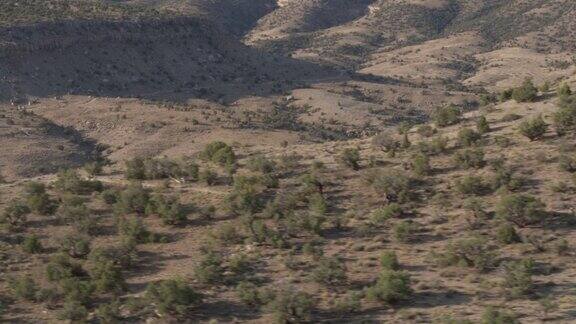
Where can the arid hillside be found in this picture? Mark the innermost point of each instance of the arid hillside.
(290, 161)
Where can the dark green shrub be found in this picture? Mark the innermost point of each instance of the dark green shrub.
(210, 269)
(520, 209)
(15, 215)
(381, 215)
(62, 267)
(351, 303)
(506, 95)
(133, 199)
(76, 246)
(260, 163)
(506, 234)
(110, 196)
(249, 294)
(208, 176)
(70, 181)
(404, 231)
(73, 311)
(518, 278)
(168, 209)
(76, 289)
(471, 252)
(329, 271)
(495, 316)
(525, 93)
(565, 117)
(107, 277)
(471, 185)
(172, 296)
(389, 261)
(567, 163)
(446, 115)
(109, 313)
(38, 199)
(290, 306)
(350, 158)
(32, 244)
(394, 185)
(421, 165)
(470, 158)
(220, 153)
(482, 125)
(426, 131)
(534, 128)
(23, 288)
(391, 287)
(468, 137)
(135, 169)
(564, 90)
(134, 230)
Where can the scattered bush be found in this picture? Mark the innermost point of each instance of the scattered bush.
(520, 209)
(564, 90)
(404, 231)
(565, 117)
(259, 163)
(482, 125)
(389, 261)
(468, 137)
(426, 131)
(506, 234)
(494, 316)
(172, 296)
(15, 215)
(107, 277)
(23, 288)
(381, 215)
(446, 115)
(471, 185)
(70, 181)
(73, 311)
(421, 165)
(471, 252)
(32, 244)
(394, 185)
(38, 199)
(518, 278)
(168, 209)
(391, 287)
(220, 153)
(470, 158)
(329, 271)
(525, 93)
(534, 128)
(76, 246)
(210, 269)
(290, 306)
(350, 158)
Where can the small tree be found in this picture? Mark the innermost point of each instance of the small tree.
(350, 158)
(470, 158)
(15, 215)
(472, 252)
(520, 209)
(172, 296)
(32, 244)
(391, 287)
(389, 261)
(565, 117)
(329, 271)
(446, 115)
(468, 137)
(291, 306)
(495, 316)
(534, 128)
(482, 125)
(421, 165)
(525, 93)
(506, 234)
(518, 278)
(564, 90)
